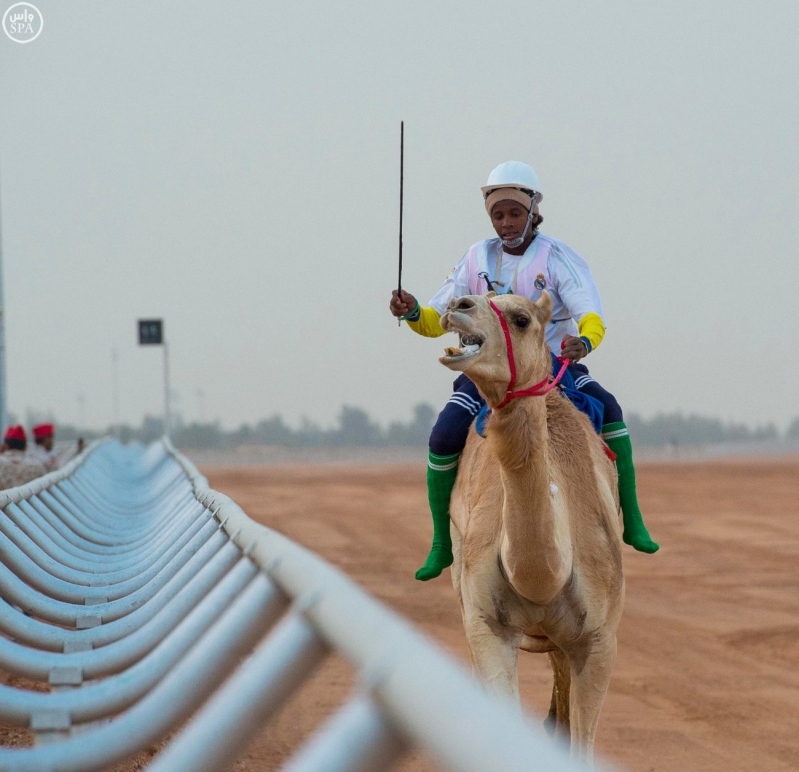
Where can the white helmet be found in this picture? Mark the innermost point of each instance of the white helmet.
(512, 174)
(522, 185)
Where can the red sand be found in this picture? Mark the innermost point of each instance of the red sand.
(706, 677)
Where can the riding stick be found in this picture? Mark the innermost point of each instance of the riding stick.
(402, 180)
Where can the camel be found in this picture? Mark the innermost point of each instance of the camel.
(534, 521)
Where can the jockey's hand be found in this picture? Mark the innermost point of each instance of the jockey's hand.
(402, 306)
(573, 349)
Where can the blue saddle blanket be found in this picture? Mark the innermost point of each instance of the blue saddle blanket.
(591, 406)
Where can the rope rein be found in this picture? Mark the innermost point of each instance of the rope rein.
(539, 389)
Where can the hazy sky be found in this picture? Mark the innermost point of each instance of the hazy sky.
(233, 167)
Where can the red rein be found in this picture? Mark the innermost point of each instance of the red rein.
(541, 388)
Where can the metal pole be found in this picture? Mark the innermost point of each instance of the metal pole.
(115, 391)
(167, 413)
(3, 392)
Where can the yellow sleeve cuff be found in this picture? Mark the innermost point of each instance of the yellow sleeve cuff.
(427, 323)
(592, 328)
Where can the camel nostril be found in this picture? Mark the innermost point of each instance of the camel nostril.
(462, 304)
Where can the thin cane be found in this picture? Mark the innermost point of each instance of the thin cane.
(402, 180)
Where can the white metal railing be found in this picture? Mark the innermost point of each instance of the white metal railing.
(145, 599)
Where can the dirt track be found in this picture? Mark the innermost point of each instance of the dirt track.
(706, 677)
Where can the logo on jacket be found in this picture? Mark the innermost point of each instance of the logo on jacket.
(540, 282)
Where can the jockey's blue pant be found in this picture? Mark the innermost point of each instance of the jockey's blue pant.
(452, 427)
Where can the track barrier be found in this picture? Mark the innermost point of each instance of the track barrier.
(152, 605)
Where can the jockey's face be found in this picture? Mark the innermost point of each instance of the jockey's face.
(509, 219)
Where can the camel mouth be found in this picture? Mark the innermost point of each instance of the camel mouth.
(471, 341)
(469, 346)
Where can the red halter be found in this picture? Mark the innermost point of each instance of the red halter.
(541, 388)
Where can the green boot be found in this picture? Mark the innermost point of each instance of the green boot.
(441, 474)
(635, 534)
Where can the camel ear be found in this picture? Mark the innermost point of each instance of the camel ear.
(544, 307)
(491, 294)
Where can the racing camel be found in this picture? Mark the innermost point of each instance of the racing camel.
(535, 524)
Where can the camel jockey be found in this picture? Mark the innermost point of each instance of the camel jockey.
(524, 262)
(18, 467)
(44, 439)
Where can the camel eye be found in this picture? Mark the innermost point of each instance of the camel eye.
(521, 322)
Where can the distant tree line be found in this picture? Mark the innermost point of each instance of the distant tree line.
(679, 429)
(356, 428)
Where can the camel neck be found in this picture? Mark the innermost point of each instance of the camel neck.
(536, 547)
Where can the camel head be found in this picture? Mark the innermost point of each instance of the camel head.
(483, 353)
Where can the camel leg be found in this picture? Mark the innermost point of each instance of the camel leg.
(494, 650)
(557, 722)
(457, 563)
(455, 572)
(590, 677)
(551, 721)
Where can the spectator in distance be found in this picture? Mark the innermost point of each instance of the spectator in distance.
(16, 465)
(44, 439)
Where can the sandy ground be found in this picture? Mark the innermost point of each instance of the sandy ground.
(706, 677)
